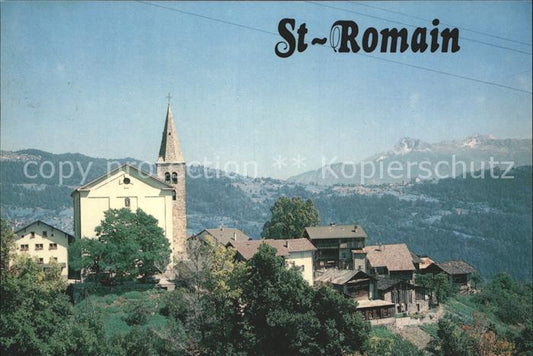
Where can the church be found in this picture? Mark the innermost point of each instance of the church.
(162, 196)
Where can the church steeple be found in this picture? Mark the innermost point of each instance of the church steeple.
(170, 151)
(171, 169)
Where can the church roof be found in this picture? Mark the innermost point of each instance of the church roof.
(129, 169)
(170, 151)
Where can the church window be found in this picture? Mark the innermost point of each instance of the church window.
(167, 177)
(174, 177)
(173, 195)
(127, 180)
(127, 202)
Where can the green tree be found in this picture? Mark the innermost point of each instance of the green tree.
(283, 315)
(476, 279)
(34, 308)
(127, 245)
(7, 245)
(453, 341)
(289, 218)
(438, 285)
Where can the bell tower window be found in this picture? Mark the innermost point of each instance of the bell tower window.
(174, 177)
(167, 177)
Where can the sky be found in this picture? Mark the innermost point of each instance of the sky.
(92, 78)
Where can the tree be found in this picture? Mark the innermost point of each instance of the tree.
(438, 284)
(34, 308)
(290, 216)
(283, 315)
(476, 279)
(128, 245)
(211, 306)
(7, 245)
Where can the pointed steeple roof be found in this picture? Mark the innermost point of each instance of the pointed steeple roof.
(170, 151)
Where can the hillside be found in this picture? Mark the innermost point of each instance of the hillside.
(486, 222)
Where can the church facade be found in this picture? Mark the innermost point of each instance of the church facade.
(163, 196)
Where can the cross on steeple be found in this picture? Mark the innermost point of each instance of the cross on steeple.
(168, 98)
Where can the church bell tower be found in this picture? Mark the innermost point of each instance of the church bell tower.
(170, 168)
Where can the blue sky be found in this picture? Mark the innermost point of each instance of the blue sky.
(91, 77)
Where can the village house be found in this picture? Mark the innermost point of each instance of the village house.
(354, 284)
(46, 243)
(459, 272)
(394, 261)
(298, 253)
(338, 246)
(395, 267)
(221, 235)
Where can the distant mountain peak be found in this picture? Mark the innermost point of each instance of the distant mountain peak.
(407, 144)
(476, 140)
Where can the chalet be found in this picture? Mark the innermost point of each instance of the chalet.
(355, 284)
(46, 243)
(406, 296)
(394, 261)
(298, 253)
(338, 246)
(222, 235)
(459, 272)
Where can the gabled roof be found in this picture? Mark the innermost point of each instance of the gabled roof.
(129, 169)
(395, 257)
(335, 231)
(416, 259)
(223, 235)
(340, 276)
(456, 267)
(43, 223)
(170, 150)
(247, 249)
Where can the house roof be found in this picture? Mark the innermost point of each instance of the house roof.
(416, 259)
(247, 249)
(456, 267)
(223, 235)
(335, 231)
(395, 257)
(140, 174)
(42, 222)
(340, 276)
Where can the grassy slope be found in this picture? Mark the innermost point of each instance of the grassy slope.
(114, 309)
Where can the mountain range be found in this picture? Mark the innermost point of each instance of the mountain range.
(456, 158)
